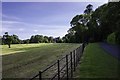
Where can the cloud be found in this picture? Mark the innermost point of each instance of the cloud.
(10, 22)
(21, 29)
(28, 29)
(4, 29)
(4, 16)
(35, 30)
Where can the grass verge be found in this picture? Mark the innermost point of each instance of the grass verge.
(96, 63)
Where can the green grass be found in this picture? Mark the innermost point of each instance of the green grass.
(25, 60)
(96, 63)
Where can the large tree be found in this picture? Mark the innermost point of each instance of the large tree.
(51, 39)
(15, 39)
(96, 25)
(106, 20)
(8, 39)
(79, 24)
(36, 39)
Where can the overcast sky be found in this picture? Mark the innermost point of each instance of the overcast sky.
(44, 18)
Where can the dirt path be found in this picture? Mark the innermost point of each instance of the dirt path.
(113, 50)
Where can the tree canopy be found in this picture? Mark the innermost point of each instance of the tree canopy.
(95, 25)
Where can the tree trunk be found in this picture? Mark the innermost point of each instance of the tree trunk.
(9, 45)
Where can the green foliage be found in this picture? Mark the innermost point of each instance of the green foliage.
(25, 41)
(111, 38)
(15, 39)
(58, 40)
(36, 39)
(118, 33)
(107, 18)
(0, 40)
(89, 9)
(51, 39)
(7, 39)
(96, 25)
(79, 31)
(41, 39)
(69, 38)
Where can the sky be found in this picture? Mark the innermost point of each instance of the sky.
(43, 18)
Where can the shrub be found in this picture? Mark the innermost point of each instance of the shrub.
(118, 38)
(111, 38)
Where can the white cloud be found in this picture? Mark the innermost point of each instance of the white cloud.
(28, 29)
(6, 29)
(21, 29)
(10, 22)
(35, 30)
(10, 17)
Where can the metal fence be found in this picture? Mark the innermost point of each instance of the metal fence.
(63, 68)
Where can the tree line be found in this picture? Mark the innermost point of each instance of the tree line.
(103, 24)
(14, 39)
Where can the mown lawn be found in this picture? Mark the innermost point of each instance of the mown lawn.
(25, 60)
(96, 63)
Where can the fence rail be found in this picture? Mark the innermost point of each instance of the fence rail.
(62, 68)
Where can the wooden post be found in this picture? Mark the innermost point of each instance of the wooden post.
(76, 53)
(67, 66)
(71, 65)
(40, 75)
(83, 46)
(74, 59)
(79, 54)
(58, 70)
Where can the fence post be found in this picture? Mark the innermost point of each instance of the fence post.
(71, 65)
(79, 54)
(40, 75)
(83, 46)
(67, 66)
(58, 70)
(74, 59)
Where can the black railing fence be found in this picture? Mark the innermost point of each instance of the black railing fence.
(63, 68)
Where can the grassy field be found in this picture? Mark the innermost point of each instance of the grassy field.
(25, 60)
(96, 63)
